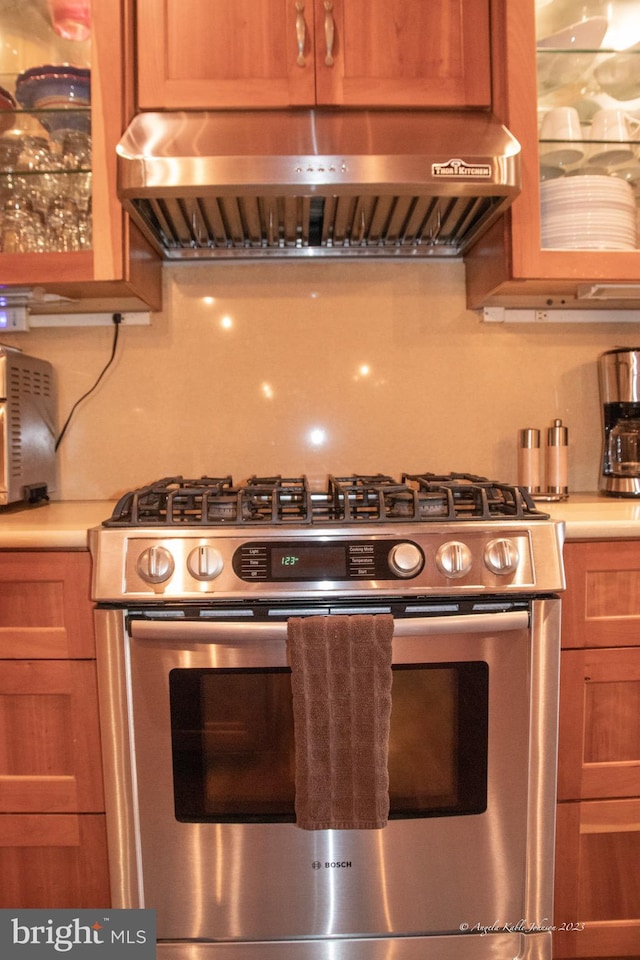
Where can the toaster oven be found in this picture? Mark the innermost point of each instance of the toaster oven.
(27, 428)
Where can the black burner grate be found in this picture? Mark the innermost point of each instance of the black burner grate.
(472, 497)
(213, 501)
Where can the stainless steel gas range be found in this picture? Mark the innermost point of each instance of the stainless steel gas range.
(201, 586)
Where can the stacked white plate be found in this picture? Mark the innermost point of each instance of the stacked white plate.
(588, 213)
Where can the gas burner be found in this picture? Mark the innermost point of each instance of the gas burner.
(471, 497)
(356, 499)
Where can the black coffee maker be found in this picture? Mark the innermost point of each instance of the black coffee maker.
(619, 378)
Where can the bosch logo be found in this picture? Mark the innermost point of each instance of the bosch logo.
(331, 864)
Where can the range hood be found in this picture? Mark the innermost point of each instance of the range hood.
(316, 182)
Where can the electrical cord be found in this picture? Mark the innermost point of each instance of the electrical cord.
(117, 320)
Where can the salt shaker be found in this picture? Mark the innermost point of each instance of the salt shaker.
(556, 460)
(529, 459)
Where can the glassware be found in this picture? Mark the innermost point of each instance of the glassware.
(624, 448)
(71, 19)
(45, 157)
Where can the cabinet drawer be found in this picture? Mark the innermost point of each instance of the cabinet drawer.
(599, 743)
(50, 862)
(50, 757)
(601, 607)
(45, 606)
(597, 898)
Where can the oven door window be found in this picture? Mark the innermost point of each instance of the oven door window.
(233, 742)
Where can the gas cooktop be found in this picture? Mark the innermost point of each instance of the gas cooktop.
(421, 497)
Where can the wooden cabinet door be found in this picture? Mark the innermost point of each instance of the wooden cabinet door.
(599, 740)
(199, 54)
(597, 892)
(45, 605)
(50, 862)
(509, 264)
(121, 271)
(601, 607)
(208, 54)
(403, 53)
(50, 760)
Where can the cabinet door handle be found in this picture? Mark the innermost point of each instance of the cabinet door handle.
(329, 32)
(301, 33)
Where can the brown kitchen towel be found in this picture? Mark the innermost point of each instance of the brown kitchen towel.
(341, 688)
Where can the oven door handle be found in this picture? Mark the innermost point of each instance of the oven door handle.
(207, 631)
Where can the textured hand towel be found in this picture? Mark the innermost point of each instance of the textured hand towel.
(341, 687)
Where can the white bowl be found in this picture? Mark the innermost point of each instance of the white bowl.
(580, 43)
(618, 74)
(584, 35)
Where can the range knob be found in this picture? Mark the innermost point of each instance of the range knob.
(205, 563)
(453, 559)
(155, 565)
(501, 556)
(406, 559)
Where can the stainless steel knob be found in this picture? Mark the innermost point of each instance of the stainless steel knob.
(406, 559)
(155, 565)
(501, 556)
(205, 563)
(453, 559)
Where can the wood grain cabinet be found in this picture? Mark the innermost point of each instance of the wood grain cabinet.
(598, 822)
(508, 266)
(53, 849)
(119, 270)
(209, 54)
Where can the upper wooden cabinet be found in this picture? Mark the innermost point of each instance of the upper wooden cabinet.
(116, 268)
(208, 54)
(508, 266)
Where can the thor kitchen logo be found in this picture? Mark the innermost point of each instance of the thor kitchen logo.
(459, 169)
(38, 933)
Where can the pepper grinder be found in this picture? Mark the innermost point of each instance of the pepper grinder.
(556, 460)
(529, 459)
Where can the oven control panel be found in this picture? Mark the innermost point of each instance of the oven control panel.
(225, 565)
(309, 561)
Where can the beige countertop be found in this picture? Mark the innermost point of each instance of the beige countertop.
(54, 525)
(588, 516)
(64, 524)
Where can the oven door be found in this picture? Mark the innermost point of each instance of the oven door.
(201, 816)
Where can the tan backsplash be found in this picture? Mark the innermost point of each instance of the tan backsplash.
(317, 367)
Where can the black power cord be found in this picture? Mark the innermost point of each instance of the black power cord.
(117, 320)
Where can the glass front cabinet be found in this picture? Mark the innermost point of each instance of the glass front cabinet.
(569, 91)
(65, 99)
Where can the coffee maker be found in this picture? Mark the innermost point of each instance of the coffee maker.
(619, 378)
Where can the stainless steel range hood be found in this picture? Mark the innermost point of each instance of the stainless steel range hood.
(316, 182)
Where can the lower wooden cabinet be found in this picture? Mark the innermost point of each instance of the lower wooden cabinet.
(53, 848)
(597, 879)
(52, 861)
(597, 896)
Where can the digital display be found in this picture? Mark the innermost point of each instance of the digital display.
(308, 563)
